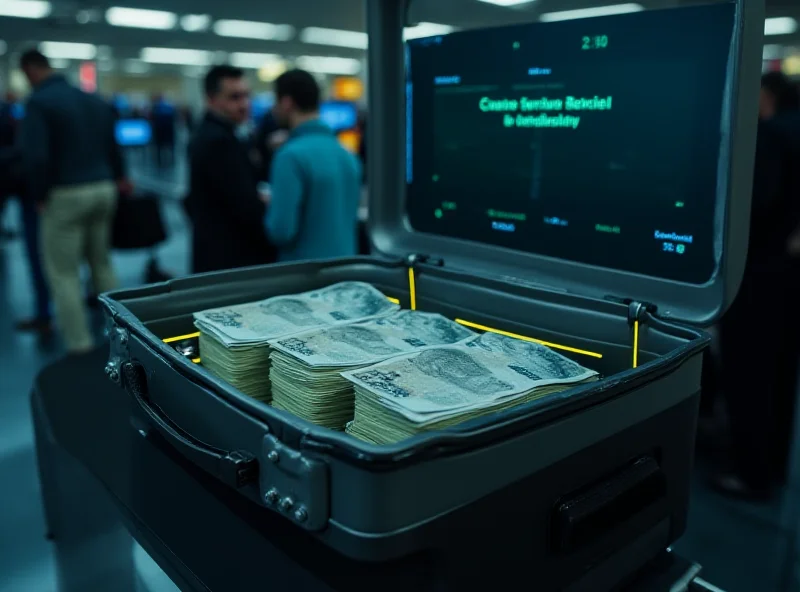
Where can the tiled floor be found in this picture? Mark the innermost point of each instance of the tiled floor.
(743, 547)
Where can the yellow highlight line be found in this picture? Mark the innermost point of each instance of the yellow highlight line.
(412, 288)
(393, 300)
(196, 360)
(524, 338)
(635, 343)
(181, 337)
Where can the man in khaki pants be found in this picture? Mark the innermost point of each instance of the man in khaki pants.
(75, 171)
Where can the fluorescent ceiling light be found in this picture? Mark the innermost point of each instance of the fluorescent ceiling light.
(253, 60)
(70, 51)
(426, 30)
(337, 37)
(32, 9)
(140, 18)
(784, 25)
(507, 2)
(271, 70)
(567, 15)
(253, 30)
(59, 63)
(329, 65)
(195, 22)
(182, 57)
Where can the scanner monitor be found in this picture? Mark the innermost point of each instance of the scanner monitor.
(597, 140)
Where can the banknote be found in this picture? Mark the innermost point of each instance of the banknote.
(258, 322)
(368, 342)
(445, 381)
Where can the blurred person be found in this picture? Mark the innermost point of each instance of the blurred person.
(163, 119)
(224, 204)
(759, 355)
(316, 182)
(74, 172)
(14, 186)
(268, 137)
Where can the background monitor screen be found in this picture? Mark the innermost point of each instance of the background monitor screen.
(339, 115)
(594, 140)
(133, 132)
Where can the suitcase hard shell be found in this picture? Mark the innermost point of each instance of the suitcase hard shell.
(578, 490)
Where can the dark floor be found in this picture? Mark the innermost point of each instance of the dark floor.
(742, 547)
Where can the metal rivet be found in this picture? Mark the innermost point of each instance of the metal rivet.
(271, 496)
(273, 457)
(301, 515)
(286, 504)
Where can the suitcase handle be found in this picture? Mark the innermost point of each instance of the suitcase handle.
(587, 515)
(235, 468)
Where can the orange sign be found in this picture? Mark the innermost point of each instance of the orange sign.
(350, 140)
(347, 89)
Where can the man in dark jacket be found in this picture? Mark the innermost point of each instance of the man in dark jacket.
(223, 202)
(74, 171)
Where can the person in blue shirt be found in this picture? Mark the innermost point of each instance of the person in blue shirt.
(315, 181)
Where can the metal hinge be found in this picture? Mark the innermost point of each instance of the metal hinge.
(294, 485)
(415, 259)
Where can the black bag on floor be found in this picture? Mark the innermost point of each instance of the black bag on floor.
(138, 223)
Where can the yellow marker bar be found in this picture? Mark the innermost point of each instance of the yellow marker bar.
(523, 338)
(412, 288)
(195, 360)
(181, 337)
(393, 300)
(635, 343)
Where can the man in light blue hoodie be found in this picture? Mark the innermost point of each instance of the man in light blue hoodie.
(316, 182)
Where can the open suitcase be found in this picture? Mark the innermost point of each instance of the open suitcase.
(571, 492)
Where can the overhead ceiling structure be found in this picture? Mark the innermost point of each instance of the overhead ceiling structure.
(326, 36)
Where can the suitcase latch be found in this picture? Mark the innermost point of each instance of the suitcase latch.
(118, 351)
(294, 485)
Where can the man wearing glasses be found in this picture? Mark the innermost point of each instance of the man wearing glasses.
(224, 204)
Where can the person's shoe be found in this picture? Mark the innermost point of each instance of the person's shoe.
(41, 326)
(733, 486)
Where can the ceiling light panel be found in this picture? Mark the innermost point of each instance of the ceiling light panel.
(253, 60)
(780, 26)
(253, 30)
(329, 65)
(139, 18)
(195, 23)
(507, 2)
(32, 9)
(68, 51)
(567, 15)
(426, 30)
(335, 37)
(182, 57)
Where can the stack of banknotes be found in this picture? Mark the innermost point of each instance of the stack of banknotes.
(306, 368)
(439, 387)
(234, 340)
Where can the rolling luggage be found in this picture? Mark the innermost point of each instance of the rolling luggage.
(576, 491)
(138, 223)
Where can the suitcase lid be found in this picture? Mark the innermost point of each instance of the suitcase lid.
(686, 255)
